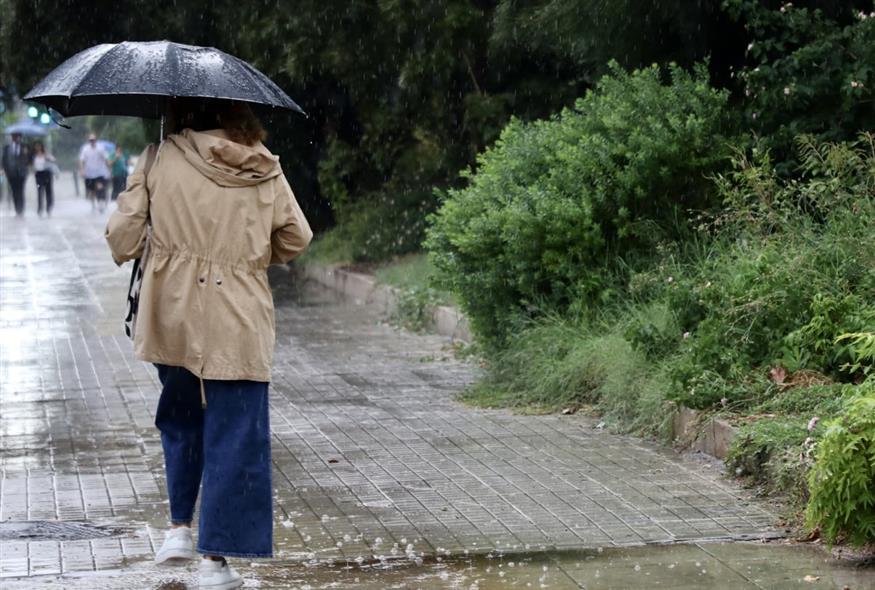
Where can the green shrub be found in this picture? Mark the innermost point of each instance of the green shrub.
(411, 276)
(653, 330)
(842, 482)
(554, 203)
(861, 347)
(415, 307)
(772, 453)
(792, 268)
(812, 400)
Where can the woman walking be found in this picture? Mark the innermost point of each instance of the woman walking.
(44, 170)
(220, 212)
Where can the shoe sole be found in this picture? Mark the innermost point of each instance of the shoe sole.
(175, 557)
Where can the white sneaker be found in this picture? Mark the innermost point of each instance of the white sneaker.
(177, 548)
(218, 575)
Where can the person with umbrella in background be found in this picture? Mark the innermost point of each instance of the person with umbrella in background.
(16, 159)
(214, 209)
(44, 168)
(94, 168)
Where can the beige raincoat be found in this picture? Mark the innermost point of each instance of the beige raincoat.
(221, 212)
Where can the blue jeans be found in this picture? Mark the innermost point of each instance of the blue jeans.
(225, 449)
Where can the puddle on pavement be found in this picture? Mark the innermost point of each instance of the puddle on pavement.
(48, 530)
(722, 566)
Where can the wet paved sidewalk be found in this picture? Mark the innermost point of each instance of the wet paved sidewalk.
(373, 460)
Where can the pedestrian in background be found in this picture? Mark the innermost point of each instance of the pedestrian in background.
(119, 166)
(220, 211)
(16, 160)
(94, 169)
(44, 169)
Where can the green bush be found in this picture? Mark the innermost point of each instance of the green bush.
(861, 347)
(772, 453)
(792, 268)
(842, 482)
(812, 400)
(554, 203)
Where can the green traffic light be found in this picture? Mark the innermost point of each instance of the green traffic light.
(32, 112)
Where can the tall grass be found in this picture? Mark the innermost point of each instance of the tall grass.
(559, 363)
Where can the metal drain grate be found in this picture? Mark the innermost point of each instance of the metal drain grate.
(48, 530)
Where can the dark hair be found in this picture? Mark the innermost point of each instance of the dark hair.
(39, 145)
(236, 118)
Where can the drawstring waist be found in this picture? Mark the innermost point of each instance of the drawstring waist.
(203, 393)
(200, 377)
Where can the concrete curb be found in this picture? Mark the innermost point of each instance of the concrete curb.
(364, 289)
(694, 430)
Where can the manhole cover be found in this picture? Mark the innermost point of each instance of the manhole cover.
(47, 530)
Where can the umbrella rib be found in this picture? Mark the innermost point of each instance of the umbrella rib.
(92, 69)
(252, 77)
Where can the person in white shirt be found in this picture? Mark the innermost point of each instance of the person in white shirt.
(94, 168)
(43, 167)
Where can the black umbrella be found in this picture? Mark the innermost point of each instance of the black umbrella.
(140, 79)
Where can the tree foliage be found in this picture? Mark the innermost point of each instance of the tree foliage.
(402, 94)
(808, 70)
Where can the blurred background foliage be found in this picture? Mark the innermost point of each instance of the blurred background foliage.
(402, 95)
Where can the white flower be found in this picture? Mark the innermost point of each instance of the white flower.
(686, 335)
(669, 280)
(786, 90)
(750, 46)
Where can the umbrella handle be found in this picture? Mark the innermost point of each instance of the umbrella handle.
(57, 122)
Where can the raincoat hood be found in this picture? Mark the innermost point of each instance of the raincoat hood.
(225, 162)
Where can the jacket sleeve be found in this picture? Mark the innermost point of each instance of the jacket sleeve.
(290, 232)
(126, 228)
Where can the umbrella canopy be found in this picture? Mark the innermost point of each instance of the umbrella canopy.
(140, 79)
(28, 128)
